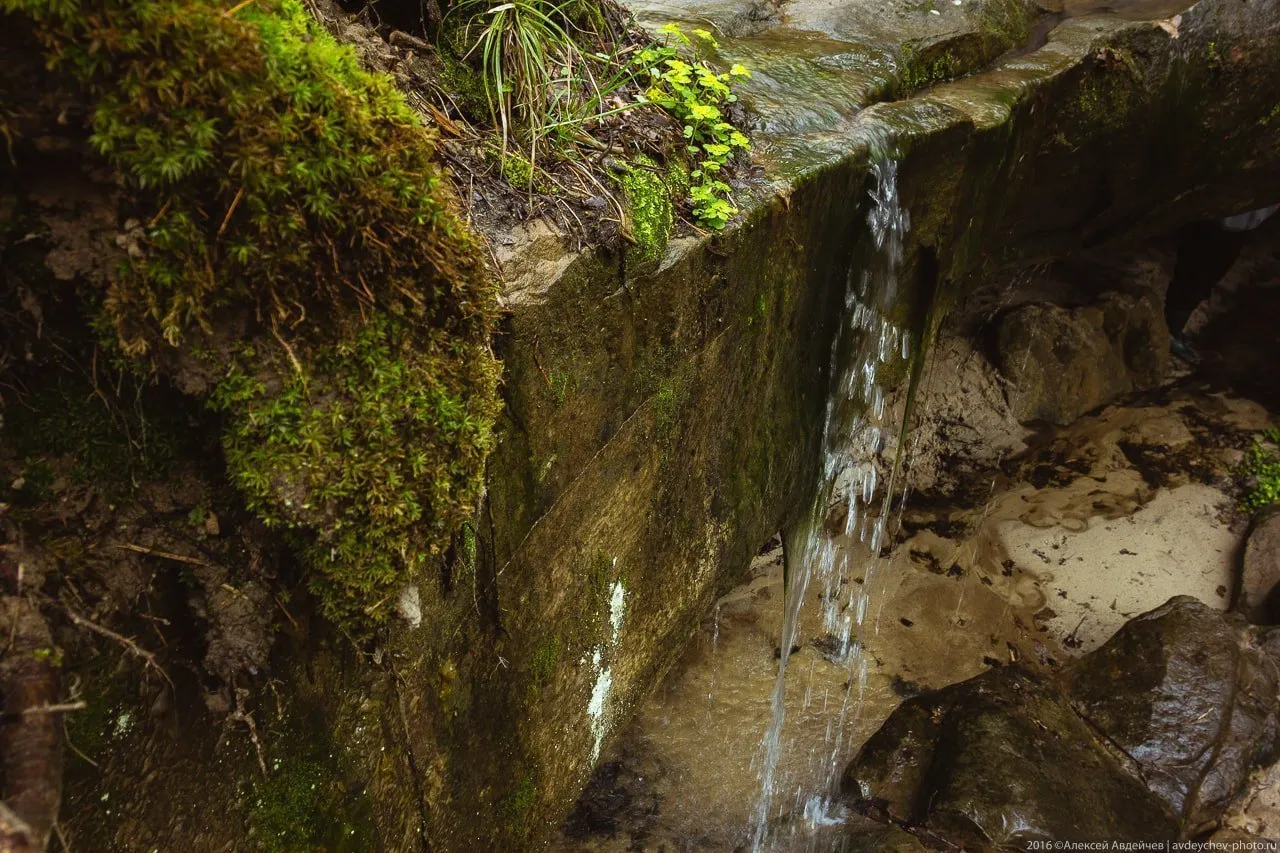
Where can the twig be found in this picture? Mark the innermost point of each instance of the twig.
(164, 208)
(399, 38)
(17, 610)
(122, 640)
(297, 366)
(55, 709)
(286, 612)
(235, 202)
(164, 555)
(237, 7)
(62, 836)
(66, 738)
(537, 347)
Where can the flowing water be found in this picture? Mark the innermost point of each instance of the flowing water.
(854, 430)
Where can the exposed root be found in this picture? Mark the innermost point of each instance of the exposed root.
(30, 743)
(241, 715)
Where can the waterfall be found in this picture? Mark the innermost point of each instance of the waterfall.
(853, 431)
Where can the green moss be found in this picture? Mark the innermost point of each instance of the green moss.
(466, 85)
(668, 403)
(282, 810)
(300, 807)
(1009, 21)
(761, 312)
(650, 208)
(559, 383)
(679, 180)
(264, 150)
(1104, 100)
(542, 666)
(918, 69)
(518, 804)
(599, 574)
(1261, 471)
(108, 446)
(520, 172)
(49, 655)
(91, 729)
(373, 452)
(303, 804)
(469, 547)
(34, 487)
(285, 185)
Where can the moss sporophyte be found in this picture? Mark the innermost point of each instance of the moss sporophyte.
(301, 245)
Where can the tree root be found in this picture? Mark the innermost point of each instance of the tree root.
(30, 743)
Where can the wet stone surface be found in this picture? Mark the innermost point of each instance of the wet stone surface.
(999, 761)
(1258, 596)
(1190, 696)
(1149, 737)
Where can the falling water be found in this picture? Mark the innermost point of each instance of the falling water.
(853, 433)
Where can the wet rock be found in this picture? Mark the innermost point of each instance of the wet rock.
(1063, 362)
(1257, 595)
(887, 839)
(1151, 736)
(1190, 696)
(999, 761)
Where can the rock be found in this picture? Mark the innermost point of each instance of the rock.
(1190, 696)
(999, 761)
(1260, 570)
(887, 839)
(1151, 736)
(1063, 362)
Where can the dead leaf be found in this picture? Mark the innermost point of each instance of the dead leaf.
(1171, 26)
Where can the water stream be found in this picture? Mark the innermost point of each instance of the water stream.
(853, 432)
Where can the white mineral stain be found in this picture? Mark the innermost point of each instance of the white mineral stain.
(617, 608)
(597, 707)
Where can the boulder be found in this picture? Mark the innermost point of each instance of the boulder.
(1257, 594)
(1190, 696)
(1149, 737)
(999, 761)
(1063, 362)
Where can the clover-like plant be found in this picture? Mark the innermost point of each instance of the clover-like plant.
(694, 94)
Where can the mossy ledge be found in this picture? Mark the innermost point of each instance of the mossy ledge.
(289, 200)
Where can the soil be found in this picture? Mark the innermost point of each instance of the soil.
(577, 189)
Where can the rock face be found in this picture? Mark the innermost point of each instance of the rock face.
(1258, 589)
(1062, 362)
(1148, 737)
